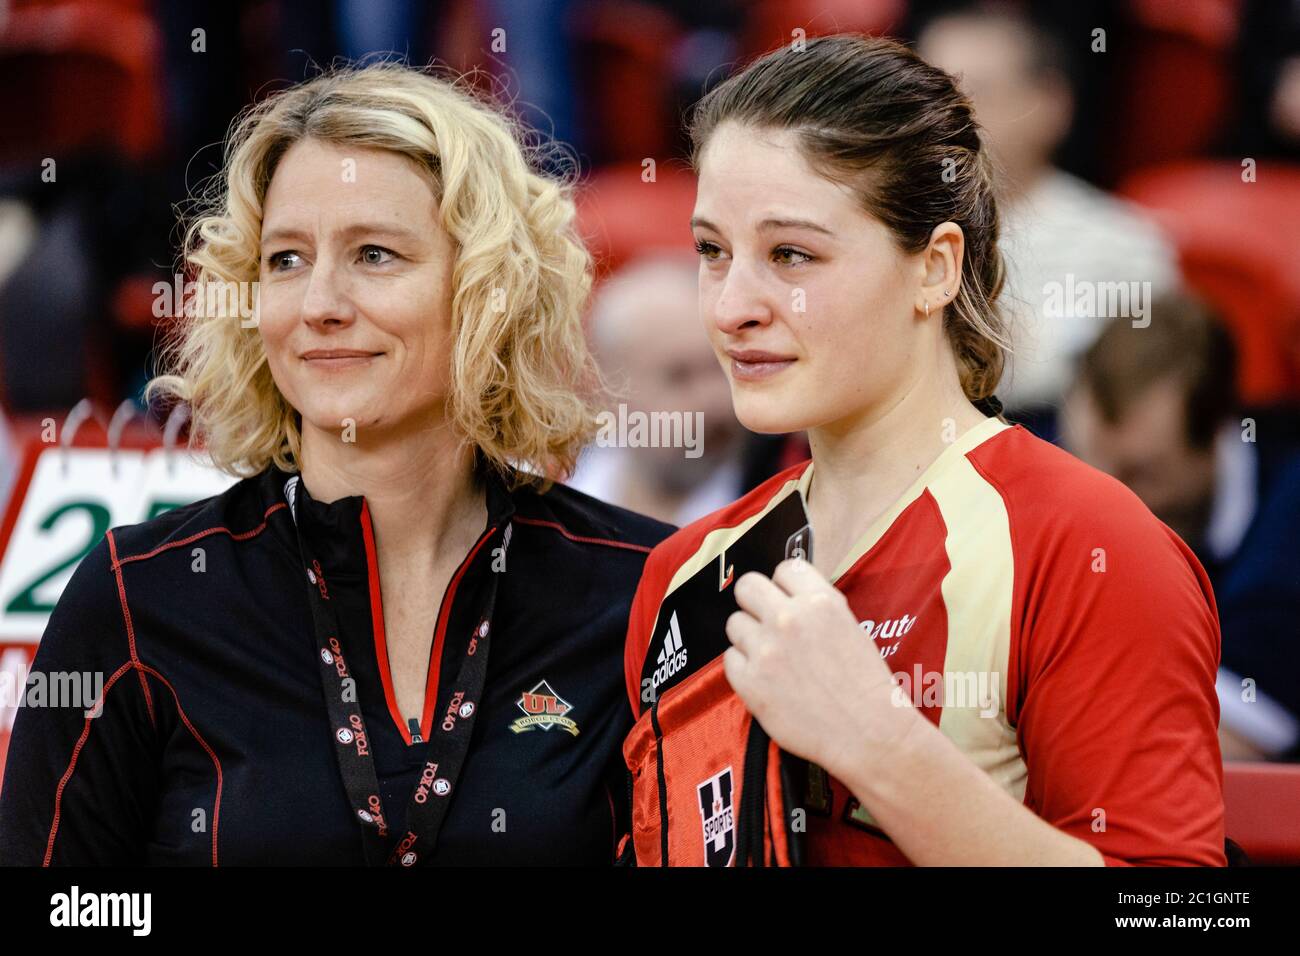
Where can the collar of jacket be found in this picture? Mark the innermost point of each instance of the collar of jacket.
(338, 530)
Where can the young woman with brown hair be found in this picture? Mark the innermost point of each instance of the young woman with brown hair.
(997, 654)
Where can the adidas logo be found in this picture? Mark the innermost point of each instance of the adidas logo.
(672, 641)
(672, 656)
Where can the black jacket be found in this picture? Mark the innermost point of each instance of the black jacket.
(213, 745)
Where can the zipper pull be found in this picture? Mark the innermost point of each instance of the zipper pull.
(414, 724)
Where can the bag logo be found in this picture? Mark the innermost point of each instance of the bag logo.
(718, 819)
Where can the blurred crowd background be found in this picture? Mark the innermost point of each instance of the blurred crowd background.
(1149, 143)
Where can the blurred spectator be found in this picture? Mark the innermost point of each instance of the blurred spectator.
(64, 245)
(1060, 235)
(657, 358)
(1156, 408)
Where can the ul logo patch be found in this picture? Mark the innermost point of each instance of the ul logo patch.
(718, 819)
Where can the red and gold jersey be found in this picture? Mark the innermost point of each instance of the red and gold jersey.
(1056, 631)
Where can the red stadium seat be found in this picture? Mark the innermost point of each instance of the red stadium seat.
(771, 23)
(1234, 241)
(1260, 803)
(623, 68)
(1172, 86)
(96, 64)
(621, 216)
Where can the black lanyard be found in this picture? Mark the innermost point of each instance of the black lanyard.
(449, 737)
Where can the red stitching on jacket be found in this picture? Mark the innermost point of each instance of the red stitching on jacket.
(121, 587)
(67, 774)
(216, 808)
(580, 538)
(613, 820)
(434, 673)
(141, 669)
(240, 536)
(130, 628)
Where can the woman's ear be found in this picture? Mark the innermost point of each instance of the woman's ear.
(941, 268)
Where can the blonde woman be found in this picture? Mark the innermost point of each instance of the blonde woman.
(393, 641)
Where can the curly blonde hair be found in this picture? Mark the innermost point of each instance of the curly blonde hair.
(522, 377)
